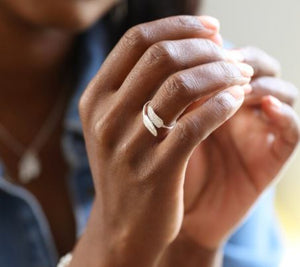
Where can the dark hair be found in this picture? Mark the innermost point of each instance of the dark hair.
(138, 11)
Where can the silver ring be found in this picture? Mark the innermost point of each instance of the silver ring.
(152, 121)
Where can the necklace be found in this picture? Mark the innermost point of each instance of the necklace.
(30, 166)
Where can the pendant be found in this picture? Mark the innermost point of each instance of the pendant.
(29, 167)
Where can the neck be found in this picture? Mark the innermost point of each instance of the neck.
(33, 62)
(31, 58)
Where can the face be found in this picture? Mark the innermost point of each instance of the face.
(74, 15)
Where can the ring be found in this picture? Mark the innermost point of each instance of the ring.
(152, 121)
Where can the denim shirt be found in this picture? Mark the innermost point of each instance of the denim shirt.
(25, 237)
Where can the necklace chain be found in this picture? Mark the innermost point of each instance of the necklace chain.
(41, 137)
(30, 165)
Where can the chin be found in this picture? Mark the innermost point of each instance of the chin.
(76, 18)
(74, 23)
(69, 15)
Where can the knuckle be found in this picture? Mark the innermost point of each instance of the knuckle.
(136, 36)
(124, 150)
(86, 104)
(187, 131)
(160, 53)
(260, 55)
(290, 90)
(189, 22)
(263, 85)
(83, 105)
(228, 71)
(100, 130)
(261, 82)
(214, 52)
(178, 85)
(224, 104)
(103, 129)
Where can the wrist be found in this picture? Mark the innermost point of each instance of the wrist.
(186, 252)
(101, 248)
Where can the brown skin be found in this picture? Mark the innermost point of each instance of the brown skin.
(148, 195)
(32, 65)
(35, 51)
(216, 199)
(69, 15)
(242, 173)
(151, 195)
(148, 172)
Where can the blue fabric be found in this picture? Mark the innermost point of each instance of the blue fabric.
(25, 238)
(257, 242)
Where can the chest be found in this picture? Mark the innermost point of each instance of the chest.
(50, 189)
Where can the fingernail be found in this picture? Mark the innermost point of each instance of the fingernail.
(245, 69)
(275, 102)
(217, 39)
(237, 92)
(210, 23)
(234, 56)
(247, 89)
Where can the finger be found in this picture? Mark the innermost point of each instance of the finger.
(188, 86)
(196, 125)
(217, 39)
(263, 64)
(138, 39)
(264, 86)
(164, 59)
(286, 124)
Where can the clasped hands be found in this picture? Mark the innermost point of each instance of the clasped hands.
(175, 199)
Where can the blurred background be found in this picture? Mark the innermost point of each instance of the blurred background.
(272, 26)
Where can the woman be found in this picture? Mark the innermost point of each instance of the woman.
(231, 129)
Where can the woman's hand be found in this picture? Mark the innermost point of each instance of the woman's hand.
(236, 163)
(139, 178)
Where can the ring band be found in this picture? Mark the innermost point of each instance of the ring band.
(152, 121)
